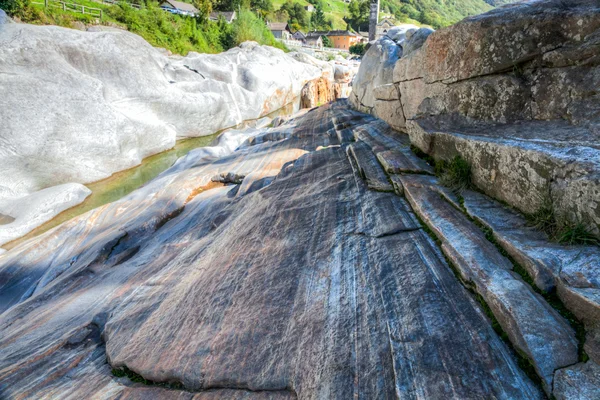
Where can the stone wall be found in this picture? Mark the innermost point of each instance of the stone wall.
(513, 91)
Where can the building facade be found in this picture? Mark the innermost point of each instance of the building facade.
(383, 27)
(280, 30)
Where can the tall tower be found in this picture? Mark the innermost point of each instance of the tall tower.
(373, 19)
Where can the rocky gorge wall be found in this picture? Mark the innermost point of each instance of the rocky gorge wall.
(513, 91)
(78, 106)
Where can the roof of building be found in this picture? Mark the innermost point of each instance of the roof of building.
(278, 26)
(228, 15)
(389, 21)
(331, 33)
(182, 6)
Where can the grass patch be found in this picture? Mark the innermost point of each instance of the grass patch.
(560, 231)
(456, 174)
(576, 234)
(137, 378)
(179, 34)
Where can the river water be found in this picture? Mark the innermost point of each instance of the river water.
(122, 183)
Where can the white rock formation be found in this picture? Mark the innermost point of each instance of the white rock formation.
(39, 207)
(78, 106)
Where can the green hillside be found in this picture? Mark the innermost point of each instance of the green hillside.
(435, 13)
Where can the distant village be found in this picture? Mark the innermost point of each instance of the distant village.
(339, 39)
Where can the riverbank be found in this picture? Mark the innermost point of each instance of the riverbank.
(96, 103)
(122, 183)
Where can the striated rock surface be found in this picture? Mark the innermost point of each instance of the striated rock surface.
(78, 106)
(513, 92)
(297, 282)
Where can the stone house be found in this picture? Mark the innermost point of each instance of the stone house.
(314, 39)
(384, 26)
(280, 30)
(299, 36)
(309, 8)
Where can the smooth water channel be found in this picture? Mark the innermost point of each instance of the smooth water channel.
(122, 183)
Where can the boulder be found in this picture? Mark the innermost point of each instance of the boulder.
(377, 67)
(4, 19)
(415, 40)
(512, 87)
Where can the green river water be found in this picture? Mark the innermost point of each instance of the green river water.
(122, 183)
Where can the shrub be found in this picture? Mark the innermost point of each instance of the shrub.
(456, 174)
(358, 48)
(248, 26)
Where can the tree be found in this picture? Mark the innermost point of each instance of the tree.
(358, 48)
(326, 42)
(298, 17)
(318, 21)
(359, 14)
(262, 7)
(204, 9)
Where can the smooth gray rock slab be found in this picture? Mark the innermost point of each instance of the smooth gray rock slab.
(369, 168)
(531, 324)
(306, 286)
(546, 262)
(581, 382)
(397, 161)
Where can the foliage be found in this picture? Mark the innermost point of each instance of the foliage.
(318, 21)
(297, 16)
(358, 18)
(204, 8)
(21, 9)
(248, 26)
(326, 41)
(560, 230)
(358, 48)
(576, 234)
(456, 174)
(262, 8)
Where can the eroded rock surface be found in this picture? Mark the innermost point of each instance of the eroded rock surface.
(298, 282)
(513, 92)
(78, 106)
